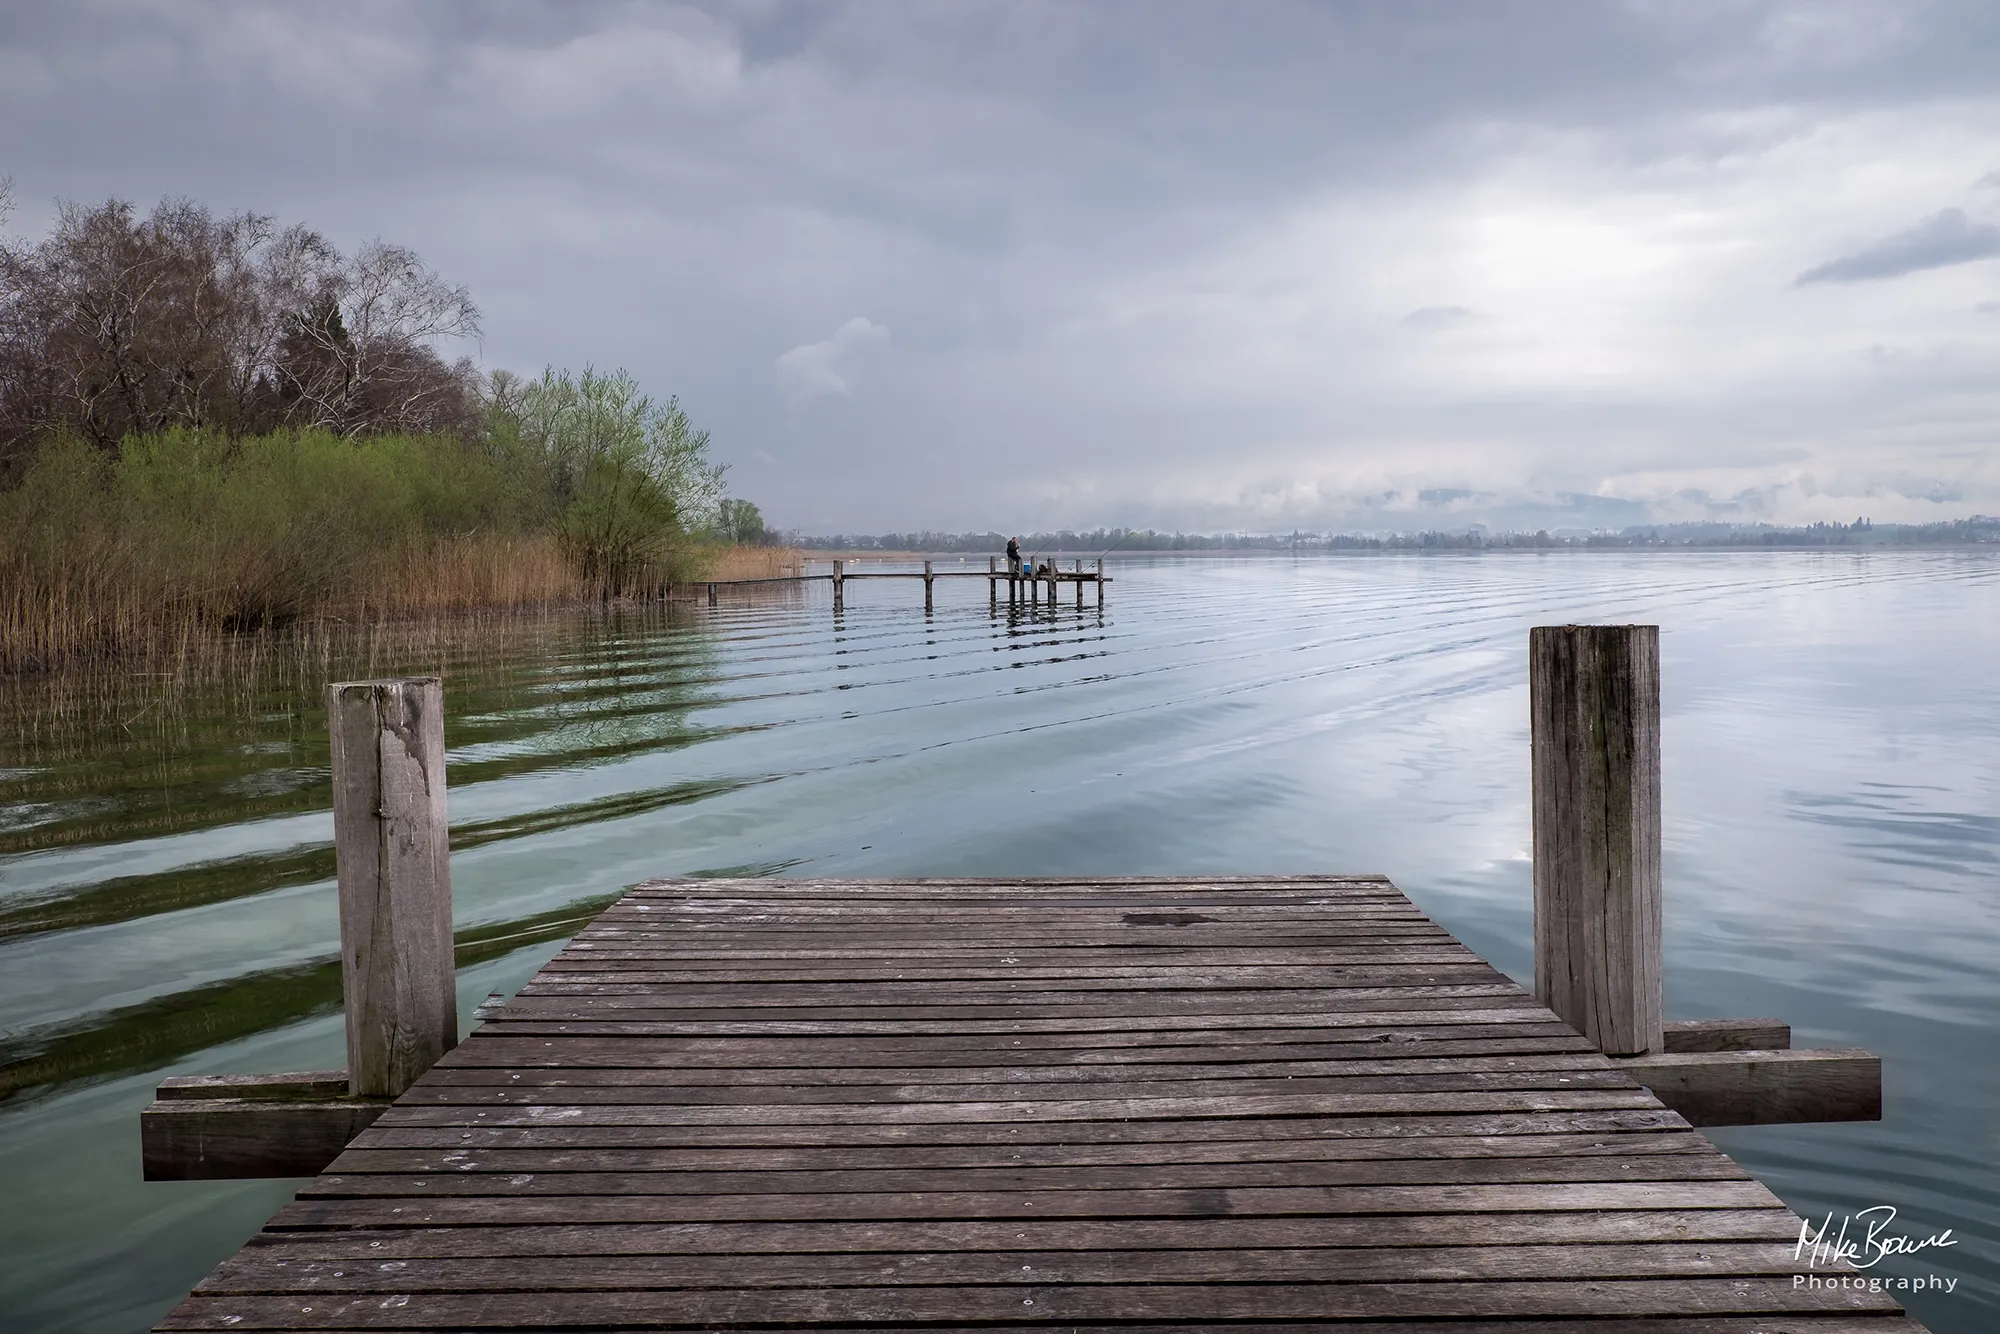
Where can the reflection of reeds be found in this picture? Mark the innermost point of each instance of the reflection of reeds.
(231, 680)
(156, 1032)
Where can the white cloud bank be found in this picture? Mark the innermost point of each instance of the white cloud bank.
(812, 370)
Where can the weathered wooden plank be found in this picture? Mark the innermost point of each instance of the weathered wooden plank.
(447, 1152)
(607, 1088)
(1099, 1043)
(392, 849)
(1051, 1110)
(1235, 1176)
(1051, 1301)
(270, 1269)
(1751, 1088)
(1693, 1035)
(478, 1128)
(213, 1139)
(1594, 699)
(565, 1021)
(772, 1060)
(436, 1207)
(612, 1067)
(1783, 1323)
(634, 966)
(1402, 1231)
(948, 960)
(307, 1085)
(753, 1006)
(1344, 984)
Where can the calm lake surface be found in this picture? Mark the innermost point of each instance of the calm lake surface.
(1832, 778)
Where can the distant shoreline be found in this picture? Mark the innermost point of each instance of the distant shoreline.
(856, 555)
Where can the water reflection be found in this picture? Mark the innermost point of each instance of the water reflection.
(1833, 824)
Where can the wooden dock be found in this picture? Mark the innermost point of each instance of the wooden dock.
(1021, 585)
(1075, 1104)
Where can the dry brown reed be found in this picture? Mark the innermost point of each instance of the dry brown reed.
(458, 575)
(108, 606)
(755, 563)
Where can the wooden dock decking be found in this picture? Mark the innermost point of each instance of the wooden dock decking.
(1146, 1104)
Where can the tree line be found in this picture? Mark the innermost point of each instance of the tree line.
(218, 422)
(1862, 532)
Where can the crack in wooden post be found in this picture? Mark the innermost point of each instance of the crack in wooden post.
(392, 859)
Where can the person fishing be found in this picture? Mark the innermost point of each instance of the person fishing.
(1014, 553)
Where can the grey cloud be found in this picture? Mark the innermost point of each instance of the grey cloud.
(1946, 237)
(1990, 181)
(1050, 203)
(1438, 317)
(1988, 308)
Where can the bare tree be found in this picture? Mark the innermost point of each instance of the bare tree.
(357, 352)
(114, 324)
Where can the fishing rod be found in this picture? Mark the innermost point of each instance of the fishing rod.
(1115, 545)
(1100, 555)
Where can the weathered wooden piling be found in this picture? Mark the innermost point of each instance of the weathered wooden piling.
(1594, 696)
(839, 585)
(929, 580)
(392, 850)
(1100, 583)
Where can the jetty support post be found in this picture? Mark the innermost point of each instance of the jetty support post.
(840, 585)
(992, 584)
(392, 855)
(1079, 583)
(393, 879)
(1594, 697)
(711, 595)
(928, 581)
(1100, 583)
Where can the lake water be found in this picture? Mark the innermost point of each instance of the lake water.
(1832, 781)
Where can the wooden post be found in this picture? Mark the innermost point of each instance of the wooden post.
(927, 588)
(992, 584)
(1100, 583)
(392, 855)
(1079, 583)
(839, 585)
(711, 595)
(1594, 697)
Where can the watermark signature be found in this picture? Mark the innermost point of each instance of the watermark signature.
(1861, 1241)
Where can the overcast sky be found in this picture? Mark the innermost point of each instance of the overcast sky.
(1252, 265)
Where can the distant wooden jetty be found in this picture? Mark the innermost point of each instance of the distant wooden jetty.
(1077, 1103)
(1023, 586)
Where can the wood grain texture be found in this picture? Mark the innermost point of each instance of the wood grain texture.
(392, 850)
(1594, 702)
(218, 1139)
(304, 1085)
(1692, 1035)
(1756, 1088)
(1229, 1103)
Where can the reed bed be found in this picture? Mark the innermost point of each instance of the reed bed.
(174, 554)
(726, 563)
